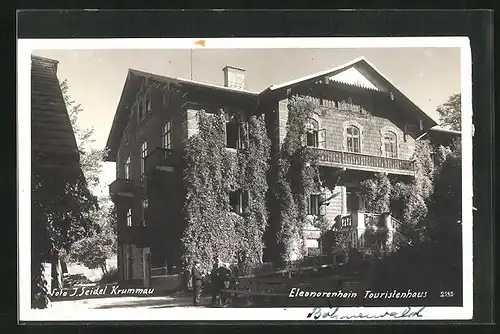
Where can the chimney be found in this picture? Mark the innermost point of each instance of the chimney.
(234, 77)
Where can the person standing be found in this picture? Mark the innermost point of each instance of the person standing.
(197, 281)
(215, 282)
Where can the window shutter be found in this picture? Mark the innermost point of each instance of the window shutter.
(322, 205)
(246, 201)
(322, 138)
(309, 206)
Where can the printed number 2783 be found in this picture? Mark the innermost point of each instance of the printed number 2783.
(446, 294)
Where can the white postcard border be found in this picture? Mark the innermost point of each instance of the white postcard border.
(26, 46)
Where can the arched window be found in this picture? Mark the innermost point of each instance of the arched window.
(167, 135)
(390, 144)
(312, 129)
(352, 137)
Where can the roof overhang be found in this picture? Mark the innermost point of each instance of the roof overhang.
(360, 63)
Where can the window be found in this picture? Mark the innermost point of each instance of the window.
(166, 95)
(314, 205)
(353, 139)
(140, 108)
(148, 101)
(167, 135)
(234, 135)
(129, 217)
(390, 145)
(352, 200)
(127, 168)
(312, 133)
(125, 135)
(144, 153)
(145, 212)
(239, 201)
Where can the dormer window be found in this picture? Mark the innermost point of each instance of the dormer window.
(239, 201)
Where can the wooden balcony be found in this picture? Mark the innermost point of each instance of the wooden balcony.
(135, 235)
(358, 161)
(159, 159)
(124, 188)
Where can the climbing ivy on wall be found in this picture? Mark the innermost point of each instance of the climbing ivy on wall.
(211, 172)
(407, 200)
(297, 177)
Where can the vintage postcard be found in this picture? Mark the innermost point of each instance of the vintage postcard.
(264, 179)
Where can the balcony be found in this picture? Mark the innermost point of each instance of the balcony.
(135, 235)
(159, 159)
(358, 161)
(359, 222)
(124, 188)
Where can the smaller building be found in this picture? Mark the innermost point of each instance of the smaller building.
(54, 155)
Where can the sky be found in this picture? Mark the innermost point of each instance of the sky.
(427, 76)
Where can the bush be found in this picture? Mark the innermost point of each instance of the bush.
(112, 276)
(70, 280)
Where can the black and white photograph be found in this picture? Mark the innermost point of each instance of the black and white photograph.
(245, 179)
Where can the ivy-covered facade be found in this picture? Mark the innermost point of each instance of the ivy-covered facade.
(206, 170)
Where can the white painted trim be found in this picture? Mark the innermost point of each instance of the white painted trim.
(345, 125)
(394, 130)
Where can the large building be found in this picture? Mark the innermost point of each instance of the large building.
(362, 125)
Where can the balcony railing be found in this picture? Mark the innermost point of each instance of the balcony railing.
(346, 221)
(123, 187)
(159, 159)
(374, 220)
(328, 157)
(135, 235)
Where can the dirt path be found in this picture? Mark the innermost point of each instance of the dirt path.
(139, 303)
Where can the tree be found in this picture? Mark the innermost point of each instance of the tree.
(93, 250)
(450, 112)
(446, 203)
(342, 242)
(91, 159)
(61, 208)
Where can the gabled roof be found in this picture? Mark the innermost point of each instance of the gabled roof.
(121, 115)
(163, 78)
(51, 131)
(375, 79)
(370, 72)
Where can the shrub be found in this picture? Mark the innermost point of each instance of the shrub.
(111, 276)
